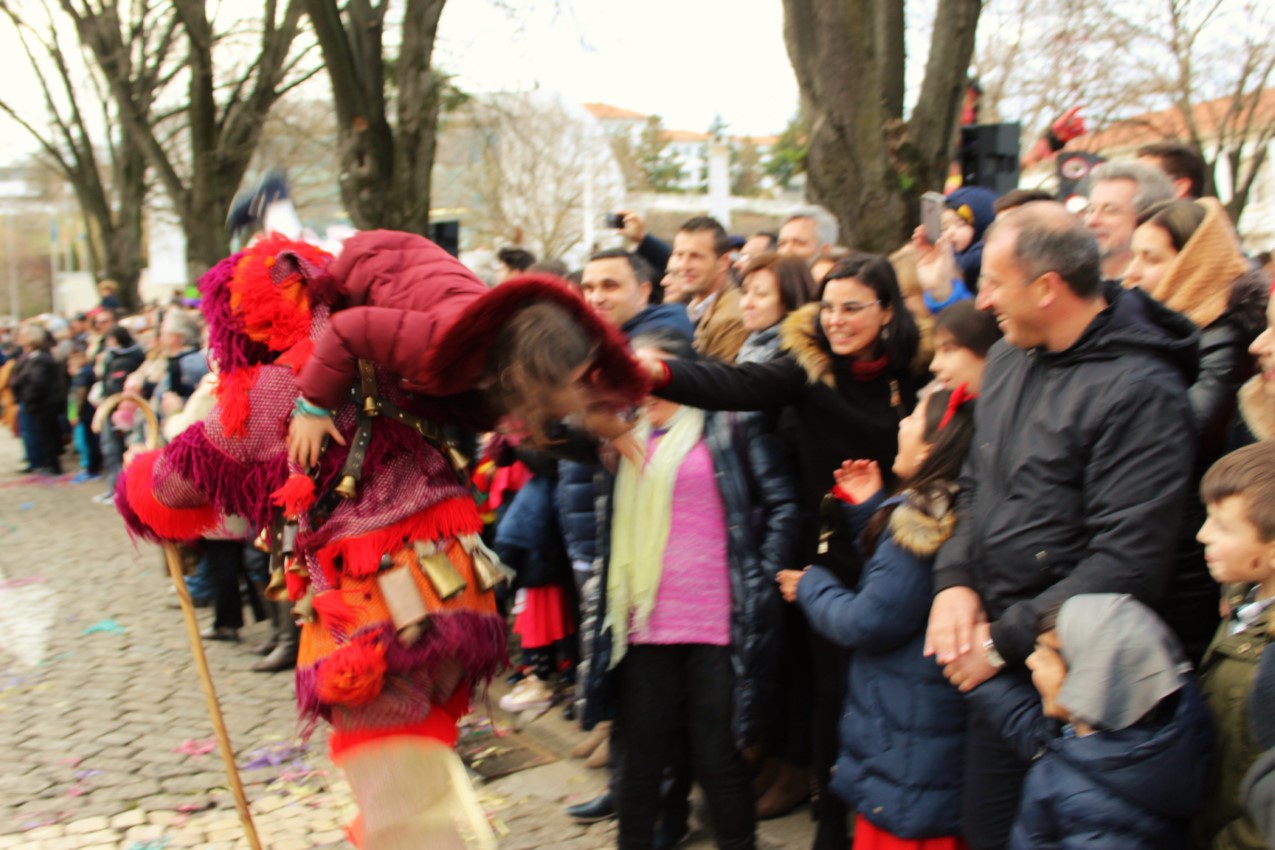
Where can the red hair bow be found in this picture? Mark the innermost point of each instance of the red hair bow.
(955, 401)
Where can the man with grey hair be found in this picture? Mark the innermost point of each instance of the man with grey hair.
(1122, 190)
(808, 233)
(1082, 454)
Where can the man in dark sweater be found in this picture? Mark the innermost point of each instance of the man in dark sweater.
(1080, 465)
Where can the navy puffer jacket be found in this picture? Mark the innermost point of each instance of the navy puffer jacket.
(1135, 788)
(903, 725)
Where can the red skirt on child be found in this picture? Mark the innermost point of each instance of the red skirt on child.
(867, 836)
(545, 619)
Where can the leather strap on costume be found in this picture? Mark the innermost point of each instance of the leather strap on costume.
(371, 406)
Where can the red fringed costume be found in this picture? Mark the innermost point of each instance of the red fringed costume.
(287, 320)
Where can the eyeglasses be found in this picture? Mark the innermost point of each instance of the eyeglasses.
(850, 308)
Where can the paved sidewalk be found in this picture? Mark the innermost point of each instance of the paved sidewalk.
(104, 738)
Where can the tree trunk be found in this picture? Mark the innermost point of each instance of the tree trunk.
(865, 164)
(385, 170)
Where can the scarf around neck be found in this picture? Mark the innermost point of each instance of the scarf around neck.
(640, 525)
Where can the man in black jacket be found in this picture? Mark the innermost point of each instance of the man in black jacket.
(1077, 478)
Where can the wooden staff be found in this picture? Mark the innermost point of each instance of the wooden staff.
(173, 558)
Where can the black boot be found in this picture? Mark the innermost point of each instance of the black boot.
(279, 617)
(284, 655)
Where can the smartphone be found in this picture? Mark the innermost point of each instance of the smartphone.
(932, 204)
(615, 221)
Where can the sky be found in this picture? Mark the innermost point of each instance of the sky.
(685, 60)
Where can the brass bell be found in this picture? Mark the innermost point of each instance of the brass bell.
(277, 589)
(348, 487)
(303, 610)
(458, 460)
(486, 568)
(407, 606)
(439, 569)
(369, 406)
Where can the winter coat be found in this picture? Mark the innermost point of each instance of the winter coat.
(1081, 460)
(577, 487)
(720, 331)
(1227, 676)
(117, 366)
(184, 373)
(1225, 364)
(832, 416)
(760, 346)
(903, 725)
(750, 475)
(529, 538)
(36, 382)
(1134, 788)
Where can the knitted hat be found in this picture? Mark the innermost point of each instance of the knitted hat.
(976, 205)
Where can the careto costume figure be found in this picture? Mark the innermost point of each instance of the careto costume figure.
(377, 544)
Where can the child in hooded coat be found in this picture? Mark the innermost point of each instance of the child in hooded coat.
(1116, 728)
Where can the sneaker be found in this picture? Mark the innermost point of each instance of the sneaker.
(530, 693)
(84, 476)
(107, 498)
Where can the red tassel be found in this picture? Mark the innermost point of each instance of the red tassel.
(167, 523)
(334, 612)
(296, 583)
(232, 397)
(296, 356)
(361, 556)
(296, 496)
(353, 675)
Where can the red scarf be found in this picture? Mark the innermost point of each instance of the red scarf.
(868, 370)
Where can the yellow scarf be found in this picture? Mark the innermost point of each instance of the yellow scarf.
(640, 524)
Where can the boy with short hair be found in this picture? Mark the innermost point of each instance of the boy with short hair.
(1239, 541)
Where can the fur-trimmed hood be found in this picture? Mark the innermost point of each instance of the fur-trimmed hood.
(921, 525)
(799, 337)
(1257, 409)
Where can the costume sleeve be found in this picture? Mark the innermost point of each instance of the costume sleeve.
(711, 385)
(1135, 486)
(395, 339)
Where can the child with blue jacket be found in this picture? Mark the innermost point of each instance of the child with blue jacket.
(903, 725)
(1120, 741)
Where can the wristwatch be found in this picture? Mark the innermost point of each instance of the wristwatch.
(993, 657)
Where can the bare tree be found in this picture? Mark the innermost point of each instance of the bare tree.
(866, 162)
(538, 171)
(224, 109)
(104, 164)
(385, 165)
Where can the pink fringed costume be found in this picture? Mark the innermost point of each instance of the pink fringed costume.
(287, 320)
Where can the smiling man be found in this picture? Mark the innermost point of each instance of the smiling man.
(701, 264)
(1082, 457)
(1122, 191)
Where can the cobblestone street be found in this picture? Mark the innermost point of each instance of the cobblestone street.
(104, 738)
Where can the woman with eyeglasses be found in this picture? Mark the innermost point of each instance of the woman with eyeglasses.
(844, 379)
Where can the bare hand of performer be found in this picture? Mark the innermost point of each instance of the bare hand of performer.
(788, 581)
(305, 438)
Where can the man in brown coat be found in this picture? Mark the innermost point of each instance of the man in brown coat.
(701, 262)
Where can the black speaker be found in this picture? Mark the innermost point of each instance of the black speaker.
(446, 235)
(989, 156)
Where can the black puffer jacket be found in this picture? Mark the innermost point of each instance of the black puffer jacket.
(761, 513)
(1225, 364)
(1079, 469)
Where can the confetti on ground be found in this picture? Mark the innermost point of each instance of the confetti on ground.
(107, 626)
(10, 583)
(157, 844)
(275, 755)
(194, 748)
(26, 506)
